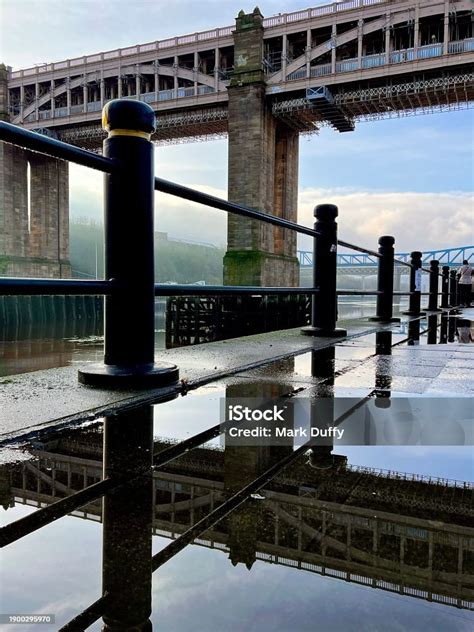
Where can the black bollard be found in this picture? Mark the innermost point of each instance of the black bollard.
(324, 303)
(415, 285)
(385, 281)
(445, 287)
(129, 345)
(434, 283)
(453, 289)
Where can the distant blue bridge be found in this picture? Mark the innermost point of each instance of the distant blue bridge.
(446, 257)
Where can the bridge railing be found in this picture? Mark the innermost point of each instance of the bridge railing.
(129, 286)
(226, 31)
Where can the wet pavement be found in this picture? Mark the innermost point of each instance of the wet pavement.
(32, 400)
(258, 538)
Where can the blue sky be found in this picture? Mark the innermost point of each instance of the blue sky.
(411, 177)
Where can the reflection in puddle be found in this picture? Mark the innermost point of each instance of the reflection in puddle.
(172, 522)
(304, 511)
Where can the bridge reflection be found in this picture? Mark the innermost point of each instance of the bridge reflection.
(385, 530)
(307, 509)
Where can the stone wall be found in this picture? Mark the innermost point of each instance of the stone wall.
(34, 209)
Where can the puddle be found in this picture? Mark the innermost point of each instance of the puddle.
(321, 523)
(333, 535)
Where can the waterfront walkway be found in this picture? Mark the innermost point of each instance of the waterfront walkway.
(420, 361)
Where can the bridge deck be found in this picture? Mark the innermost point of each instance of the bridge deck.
(377, 58)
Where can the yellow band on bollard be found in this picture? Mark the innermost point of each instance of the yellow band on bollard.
(129, 132)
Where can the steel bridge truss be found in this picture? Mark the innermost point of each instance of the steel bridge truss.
(424, 96)
(307, 114)
(171, 128)
(446, 257)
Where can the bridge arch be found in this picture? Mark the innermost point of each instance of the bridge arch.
(169, 71)
(340, 40)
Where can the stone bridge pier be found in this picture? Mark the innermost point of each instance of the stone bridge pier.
(263, 170)
(34, 209)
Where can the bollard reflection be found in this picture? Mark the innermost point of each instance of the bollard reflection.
(432, 336)
(127, 521)
(451, 326)
(383, 366)
(413, 332)
(320, 456)
(443, 331)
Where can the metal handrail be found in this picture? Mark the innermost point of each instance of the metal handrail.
(57, 149)
(178, 190)
(51, 287)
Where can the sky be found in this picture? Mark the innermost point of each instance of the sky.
(411, 177)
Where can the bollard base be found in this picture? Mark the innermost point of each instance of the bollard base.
(338, 332)
(379, 319)
(111, 376)
(409, 313)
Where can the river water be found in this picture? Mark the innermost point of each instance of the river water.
(26, 348)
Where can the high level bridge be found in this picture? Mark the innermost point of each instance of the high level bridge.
(263, 82)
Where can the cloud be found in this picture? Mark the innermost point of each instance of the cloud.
(417, 220)
(421, 221)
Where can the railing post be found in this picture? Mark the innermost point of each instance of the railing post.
(324, 303)
(385, 281)
(129, 345)
(415, 285)
(445, 287)
(433, 297)
(453, 289)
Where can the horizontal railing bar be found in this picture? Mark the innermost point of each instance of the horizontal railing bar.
(358, 292)
(78, 287)
(402, 263)
(44, 516)
(218, 290)
(178, 190)
(51, 287)
(420, 293)
(57, 149)
(367, 251)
